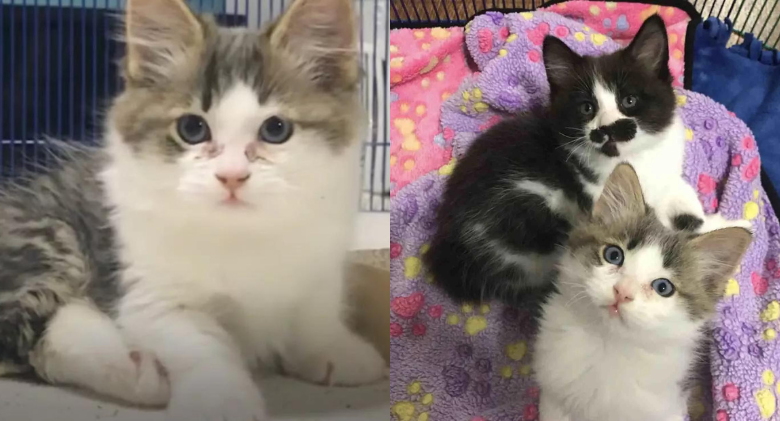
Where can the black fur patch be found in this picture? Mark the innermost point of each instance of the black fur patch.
(622, 130)
(599, 136)
(610, 149)
(687, 222)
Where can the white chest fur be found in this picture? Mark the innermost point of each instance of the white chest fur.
(659, 167)
(249, 268)
(591, 373)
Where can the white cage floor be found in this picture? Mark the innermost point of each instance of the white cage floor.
(287, 399)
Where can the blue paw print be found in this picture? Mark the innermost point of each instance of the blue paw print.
(622, 23)
(439, 140)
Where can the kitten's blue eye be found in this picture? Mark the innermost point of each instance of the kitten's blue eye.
(193, 129)
(275, 130)
(613, 255)
(586, 109)
(663, 287)
(628, 101)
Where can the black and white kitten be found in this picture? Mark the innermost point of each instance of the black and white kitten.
(513, 197)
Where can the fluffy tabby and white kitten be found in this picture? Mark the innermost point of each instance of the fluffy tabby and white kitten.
(513, 197)
(620, 337)
(208, 233)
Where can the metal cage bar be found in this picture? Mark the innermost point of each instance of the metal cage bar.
(58, 72)
(747, 15)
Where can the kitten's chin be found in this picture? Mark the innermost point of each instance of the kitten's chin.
(233, 202)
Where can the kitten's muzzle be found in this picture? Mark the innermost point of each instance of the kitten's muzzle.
(607, 137)
(621, 130)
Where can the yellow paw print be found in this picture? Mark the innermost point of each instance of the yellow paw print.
(406, 127)
(447, 168)
(650, 11)
(515, 352)
(765, 398)
(475, 96)
(579, 36)
(597, 38)
(769, 334)
(751, 210)
(412, 267)
(475, 318)
(732, 287)
(771, 312)
(440, 33)
(431, 64)
(417, 407)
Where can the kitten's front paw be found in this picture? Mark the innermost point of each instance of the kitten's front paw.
(153, 386)
(350, 361)
(216, 396)
(716, 221)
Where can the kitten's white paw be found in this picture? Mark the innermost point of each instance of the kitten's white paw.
(350, 361)
(210, 395)
(717, 221)
(152, 387)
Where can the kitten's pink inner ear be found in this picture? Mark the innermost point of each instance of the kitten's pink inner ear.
(158, 32)
(322, 35)
(622, 195)
(324, 23)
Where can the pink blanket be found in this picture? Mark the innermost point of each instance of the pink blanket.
(426, 67)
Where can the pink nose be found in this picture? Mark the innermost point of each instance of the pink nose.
(621, 295)
(233, 181)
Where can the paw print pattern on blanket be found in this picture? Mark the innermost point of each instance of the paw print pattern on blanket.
(721, 162)
(472, 317)
(418, 405)
(426, 66)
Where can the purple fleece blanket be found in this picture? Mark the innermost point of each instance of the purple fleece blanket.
(471, 363)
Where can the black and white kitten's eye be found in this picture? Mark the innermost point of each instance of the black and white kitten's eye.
(628, 101)
(586, 109)
(275, 130)
(663, 287)
(193, 129)
(613, 255)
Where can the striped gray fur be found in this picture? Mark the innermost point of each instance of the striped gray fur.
(55, 245)
(56, 241)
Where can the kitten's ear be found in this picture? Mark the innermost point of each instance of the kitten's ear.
(622, 196)
(560, 63)
(650, 47)
(320, 35)
(719, 253)
(163, 37)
